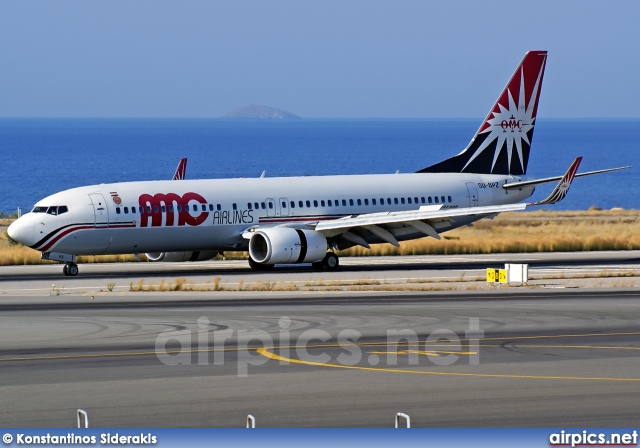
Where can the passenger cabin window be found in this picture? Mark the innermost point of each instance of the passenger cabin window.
(284, 204)
(322, 203)
(350, 201)
(249, 206)
(409, 200)
(359, 201)
(449, 197)
(292, 204)
(308, 203)
(442, 198)
(234, 206)
(300, 204)
(126, 210)
(395, 201)
(117, 210)
(373, 201)
(164, 209)
(210, 207)
(218, 207)
(436, 198)
(315, 203)
(430, 201)
(344, 202)
(256, 205)
(329, 203)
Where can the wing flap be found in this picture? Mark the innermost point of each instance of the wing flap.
(412, 217)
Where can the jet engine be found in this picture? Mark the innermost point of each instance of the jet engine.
(172, 257)
(287, 245)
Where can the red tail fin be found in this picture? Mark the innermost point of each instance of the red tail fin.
(503, 142)
(181, 171)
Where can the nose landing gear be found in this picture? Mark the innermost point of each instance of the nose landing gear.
(70, 269)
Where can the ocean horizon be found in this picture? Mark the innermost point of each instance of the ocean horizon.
(41, 156)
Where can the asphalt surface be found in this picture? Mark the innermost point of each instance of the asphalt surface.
(319, 359)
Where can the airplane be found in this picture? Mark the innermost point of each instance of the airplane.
(285, 220)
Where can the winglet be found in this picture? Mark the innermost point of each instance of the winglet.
(181, 171)
(561, 190)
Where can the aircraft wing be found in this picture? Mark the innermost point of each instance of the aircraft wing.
(419, 219)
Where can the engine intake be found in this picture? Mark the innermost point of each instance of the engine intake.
(287, 245)
(173, 257)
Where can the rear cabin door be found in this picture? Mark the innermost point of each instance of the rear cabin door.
(473, 194)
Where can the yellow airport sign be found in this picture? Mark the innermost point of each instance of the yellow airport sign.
(496, 275)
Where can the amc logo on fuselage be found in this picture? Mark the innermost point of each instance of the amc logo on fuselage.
(172, 206)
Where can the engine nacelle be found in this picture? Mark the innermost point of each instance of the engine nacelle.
(173, 257)
(287, 245)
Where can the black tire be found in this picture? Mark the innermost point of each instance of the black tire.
(330, 262)
(72, 269)
(65, 270)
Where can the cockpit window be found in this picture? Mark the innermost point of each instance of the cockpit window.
(52, 210)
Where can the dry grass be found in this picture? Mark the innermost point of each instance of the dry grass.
(540, 231)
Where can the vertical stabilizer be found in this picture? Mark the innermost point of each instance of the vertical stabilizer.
(181, 171)
(503, 142)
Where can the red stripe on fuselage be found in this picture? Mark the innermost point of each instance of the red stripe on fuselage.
(72, 229)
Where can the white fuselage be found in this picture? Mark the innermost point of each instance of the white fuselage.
(189, 215)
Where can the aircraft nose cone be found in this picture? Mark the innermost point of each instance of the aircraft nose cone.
(22, 231)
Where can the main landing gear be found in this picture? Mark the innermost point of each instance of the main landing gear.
(70, 269)
(330, 262)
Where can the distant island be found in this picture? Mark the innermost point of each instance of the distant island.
(258, 111)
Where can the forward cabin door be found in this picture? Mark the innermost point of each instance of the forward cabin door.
(100, 211)
(96, 242)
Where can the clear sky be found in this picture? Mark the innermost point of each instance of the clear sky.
(360, 58)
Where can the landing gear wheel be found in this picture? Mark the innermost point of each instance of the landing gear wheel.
(70, 269)
(330, 262)
(260, 266)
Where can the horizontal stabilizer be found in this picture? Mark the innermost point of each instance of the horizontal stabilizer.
(546, 180)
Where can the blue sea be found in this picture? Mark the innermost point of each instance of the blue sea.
(43, 156)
